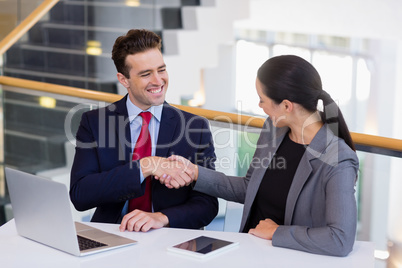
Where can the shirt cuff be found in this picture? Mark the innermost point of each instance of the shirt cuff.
(142, 178)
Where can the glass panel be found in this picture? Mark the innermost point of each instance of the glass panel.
(379, 201)
(3, 195)
(234, 149)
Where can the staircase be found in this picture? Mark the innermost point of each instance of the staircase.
(72, 46)
(58, 49)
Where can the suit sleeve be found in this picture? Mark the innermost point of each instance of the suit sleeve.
(98, 177)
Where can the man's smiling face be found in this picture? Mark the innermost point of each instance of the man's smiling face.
(148, 81)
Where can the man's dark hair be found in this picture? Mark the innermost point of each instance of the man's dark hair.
(135, 41)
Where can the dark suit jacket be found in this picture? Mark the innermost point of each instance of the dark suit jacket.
(103, 175)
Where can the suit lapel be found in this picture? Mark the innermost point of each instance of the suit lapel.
(167, 128)
(123, 132)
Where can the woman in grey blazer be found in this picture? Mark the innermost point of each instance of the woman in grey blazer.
(299, 190)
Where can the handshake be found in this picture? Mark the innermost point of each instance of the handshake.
(173, 172)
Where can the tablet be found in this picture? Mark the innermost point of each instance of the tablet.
(202, 247)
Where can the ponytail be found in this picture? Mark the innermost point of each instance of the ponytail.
(332, 116)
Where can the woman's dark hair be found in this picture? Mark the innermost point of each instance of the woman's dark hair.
(135, 41)
(295, 79)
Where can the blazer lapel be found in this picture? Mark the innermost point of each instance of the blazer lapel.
(313, 151)
(123, 132)
(302, 173)
(167, 130)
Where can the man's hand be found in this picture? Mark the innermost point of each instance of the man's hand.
(265, 229)
(159, 166)
(174, 172)
(189, 169)
(138, 220)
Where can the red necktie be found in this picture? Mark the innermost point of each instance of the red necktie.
(143, 149)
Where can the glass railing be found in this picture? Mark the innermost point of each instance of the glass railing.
(40, 120)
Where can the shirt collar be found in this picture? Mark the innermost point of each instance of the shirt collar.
(134, 111)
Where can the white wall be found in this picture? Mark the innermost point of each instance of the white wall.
(360, 18)
(197, 45)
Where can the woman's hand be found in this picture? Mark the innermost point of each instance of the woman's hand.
(265, 229)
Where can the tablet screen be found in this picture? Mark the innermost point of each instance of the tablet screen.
(202, 246)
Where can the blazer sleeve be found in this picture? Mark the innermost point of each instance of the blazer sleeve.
(235, 188)
(230, 188)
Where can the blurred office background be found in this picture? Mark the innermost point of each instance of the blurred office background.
(212, 49)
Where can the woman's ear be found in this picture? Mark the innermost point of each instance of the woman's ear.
(288, 105)
(123, 80)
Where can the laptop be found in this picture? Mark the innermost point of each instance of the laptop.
(42, 213)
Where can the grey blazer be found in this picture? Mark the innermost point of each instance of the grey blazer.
(321, 214)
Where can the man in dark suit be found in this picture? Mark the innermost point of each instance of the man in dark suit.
(103, 173)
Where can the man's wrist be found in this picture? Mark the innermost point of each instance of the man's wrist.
(164, 219)
(146, 166)
(195, 172)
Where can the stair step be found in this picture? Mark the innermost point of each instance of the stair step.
(60, 61)
(76, 38)
(99, 14)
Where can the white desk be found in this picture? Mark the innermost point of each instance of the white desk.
(16, 251)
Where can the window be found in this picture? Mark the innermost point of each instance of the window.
(249, 57)
(339, 60)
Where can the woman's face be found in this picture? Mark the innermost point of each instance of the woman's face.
(272, 109)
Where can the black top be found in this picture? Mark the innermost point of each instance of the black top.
(270, 201)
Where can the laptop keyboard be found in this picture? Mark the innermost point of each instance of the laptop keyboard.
(86, 243)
